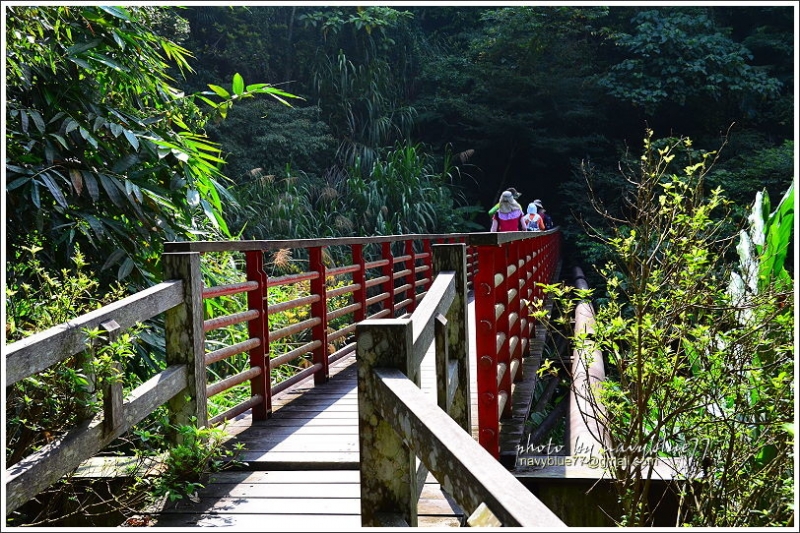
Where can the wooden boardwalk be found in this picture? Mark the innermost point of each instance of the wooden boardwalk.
(303, 463)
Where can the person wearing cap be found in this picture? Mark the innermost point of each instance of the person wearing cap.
(513, 191)
(533, 221)
(509, 214)
(548, 220)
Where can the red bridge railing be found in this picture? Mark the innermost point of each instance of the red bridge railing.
(376, 277)
(348, 280)
(509, 265)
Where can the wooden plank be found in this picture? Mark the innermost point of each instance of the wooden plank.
(252, 432)
(278, 477)
(283, 490)
(254, 505)
(343, 443)
(293, 459)
(263, 522)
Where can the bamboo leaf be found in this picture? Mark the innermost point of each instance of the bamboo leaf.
(112, 188)
(19, 182)
(193, 197)
(219, 91)
(238, 84)
(37, 120)
(107, 61)
(113, 259)
(125, 268)
(131, 139)
(82, 47)
(77, 180)
(80, 62)
(124, 163)
(54, 189)
(35, 195)
(24, 120)
(70, 125)
(91, 185)
(118, 12)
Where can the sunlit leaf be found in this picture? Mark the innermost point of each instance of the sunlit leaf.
(238, 84)
(82, 47)
(131, 139)
(219, 91)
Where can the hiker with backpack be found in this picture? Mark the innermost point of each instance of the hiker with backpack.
(533, 221)
(509, 214)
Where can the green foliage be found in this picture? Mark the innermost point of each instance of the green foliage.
(696, 371)
(187, 465)
(102, 151)
(678, 55)
(42, 407)
(263, 136)
(400, 193)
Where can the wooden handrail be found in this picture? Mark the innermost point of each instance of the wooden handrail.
(179, 299)
(398, 423)
(31, 355)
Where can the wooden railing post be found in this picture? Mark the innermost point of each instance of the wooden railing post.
(258, 328)
(454, 257)
(388, 466)
(184, 337)
(319, 309)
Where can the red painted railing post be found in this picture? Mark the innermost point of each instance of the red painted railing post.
(489, 257)
(360, 279)
(411, 265)
(428, 261)
(319, 309)
(518, 327)
(528, 322)
(259, 328)
(388, 270)
(506, 291)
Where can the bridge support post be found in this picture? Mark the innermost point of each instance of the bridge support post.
(184, 337)
(388, 466)
(454, 257)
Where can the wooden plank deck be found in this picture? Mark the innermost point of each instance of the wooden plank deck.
(303, 463)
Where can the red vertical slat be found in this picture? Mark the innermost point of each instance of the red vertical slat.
(411, 279)
(319, 309)
(259, 328)
(388, 270)
(507, 257)
(486, 350)
(428, 261)
(360, 278)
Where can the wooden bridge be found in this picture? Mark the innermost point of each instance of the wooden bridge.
(410, 408)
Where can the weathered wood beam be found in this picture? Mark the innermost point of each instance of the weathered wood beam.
(42, 350)
(462, 466)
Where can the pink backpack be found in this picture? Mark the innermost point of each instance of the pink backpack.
(508, 224)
